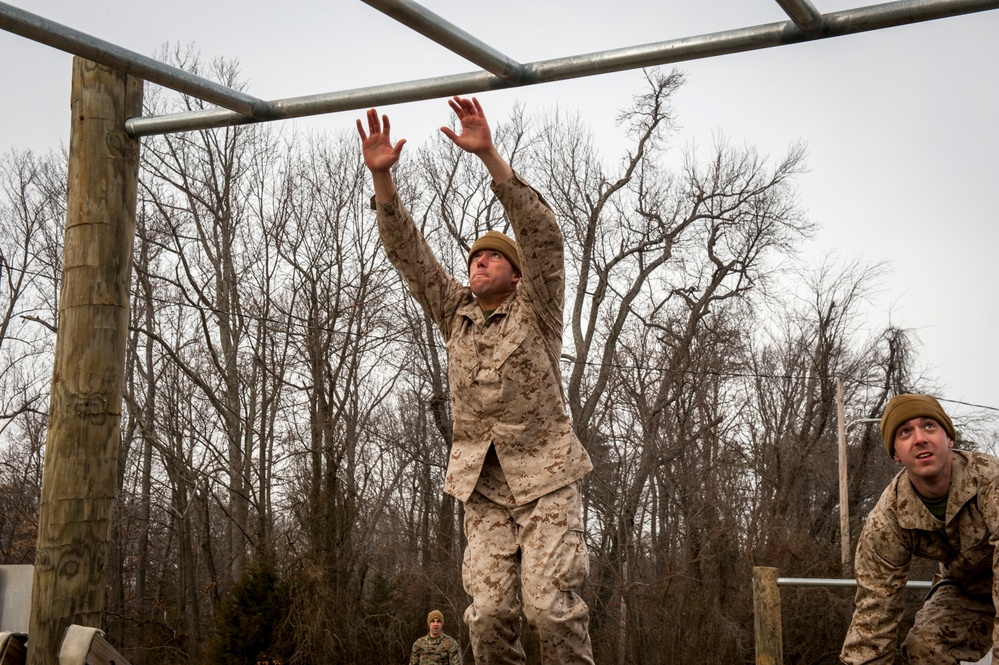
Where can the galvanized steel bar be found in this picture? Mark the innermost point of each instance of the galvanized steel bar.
(298, 107)
(67, 39)
(837, 582)
(450, 36)
(837, 24)
(804, 14)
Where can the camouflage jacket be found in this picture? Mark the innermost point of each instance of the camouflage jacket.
(441, 650)
(901, 527)
(504, 374)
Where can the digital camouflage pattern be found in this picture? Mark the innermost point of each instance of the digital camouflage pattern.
(441, 650)
(957, 620)
(506, 386)
(951, 627)
(553, 562)
(515, 461)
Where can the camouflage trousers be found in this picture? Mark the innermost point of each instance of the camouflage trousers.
(543, 541)
(951, 627)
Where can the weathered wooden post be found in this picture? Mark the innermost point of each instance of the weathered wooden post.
(81, 454)
(766, 617)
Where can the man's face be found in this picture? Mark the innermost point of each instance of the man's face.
(436, 627)
(491, 277)
(923, 448)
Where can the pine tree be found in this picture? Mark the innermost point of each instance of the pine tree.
(250, 619)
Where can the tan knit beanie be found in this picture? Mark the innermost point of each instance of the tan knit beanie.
(499, 242)
(903, 408)
(435, 614)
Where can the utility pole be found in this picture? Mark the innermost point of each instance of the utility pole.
(844, 493)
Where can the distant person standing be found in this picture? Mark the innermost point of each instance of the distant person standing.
(944, 506)
(515, 462)
(435, 648)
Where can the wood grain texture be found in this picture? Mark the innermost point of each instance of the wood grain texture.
(81, 456)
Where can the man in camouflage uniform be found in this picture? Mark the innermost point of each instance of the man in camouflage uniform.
(515, 461)
(435, 648)
(943, 506)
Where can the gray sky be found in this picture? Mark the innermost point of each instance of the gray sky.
(903, 151)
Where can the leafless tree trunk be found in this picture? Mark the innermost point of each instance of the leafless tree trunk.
(33, 209)
(204, 196)
(662, 264)
(32, 213)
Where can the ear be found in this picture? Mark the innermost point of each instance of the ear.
(516, 277)
(896, 457)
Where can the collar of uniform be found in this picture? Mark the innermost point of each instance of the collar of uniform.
(963, 485)
(470, 308)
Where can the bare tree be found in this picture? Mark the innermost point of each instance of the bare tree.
(788, 432)
(204, 199)
(663, 263)
(287, 403)
(20, 489)
(342, 323)
(32, 210)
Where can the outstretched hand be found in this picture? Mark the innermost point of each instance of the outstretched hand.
(376, 145)
(475, 136)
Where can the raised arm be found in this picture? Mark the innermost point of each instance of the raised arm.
(379, 154)
(407, 249)
(476, 137)
(534, 224)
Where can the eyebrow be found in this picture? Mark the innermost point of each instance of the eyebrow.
(922, 420)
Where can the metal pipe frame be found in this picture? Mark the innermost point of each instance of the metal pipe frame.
(804, 15)
(501, 72)
(432, 26)
(835, 24)
(72, 41)
(837, 582)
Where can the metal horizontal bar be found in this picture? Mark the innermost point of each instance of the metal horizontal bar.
(804, 14)
(298, 107)
(450, 36)
(72, 41)
(861, 421)
(836, 582)
(836, 24)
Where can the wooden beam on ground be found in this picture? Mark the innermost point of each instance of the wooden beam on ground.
(81, 454)
(85, 645)
(12, 650)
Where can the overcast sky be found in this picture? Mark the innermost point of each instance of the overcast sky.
(900, 124)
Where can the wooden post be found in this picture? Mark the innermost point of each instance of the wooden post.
(766, 617)
(81, 454)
